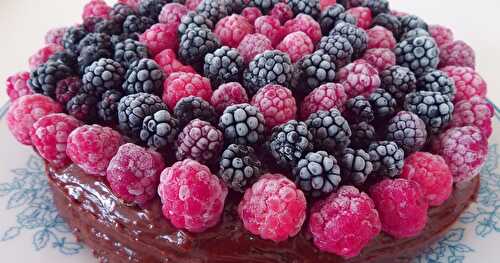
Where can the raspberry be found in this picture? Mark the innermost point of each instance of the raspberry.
(49, 136)
(432, 174)
(43, 54)
(134, 173)
(464, 149)
(380, 37)
(306, 24)
(160, 37)
(17, 85)
(232, 29)
(468, 82)
(96, 9)
(167, 60)
(363, 16)
(457, 53)
(296, 45)
(344, 223)
(271, 28)
(199, 141)
(441, 34)
(67, 88)
(399, 220)
(25, 111)
(251, 14)
(276, 103)
(476, 111)
(380, 58)
(181, 84)
(324, 97)
(228, 94)
(359, 78)
(282, 11)
(252, 45)
(55, 35)
(324, 4)
(91, 147)
(273, 208)
(134, 4)
(172, 13)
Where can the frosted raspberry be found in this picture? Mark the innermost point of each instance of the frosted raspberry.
(91, 147)
(172, 13)
(228, 94)
(363, 16)
(441, 34)
(296, 45)
(25, 111)
(132, 3)
(199, 141)
(401, 205)
(324, 4)
(232, 29)
(345, 222)
(468, 82)
(276, 103)
(67, 88)
(134, 173)
(192, 197)
(160, 37)
(380, 58)
(55, 35)
(324, 97)
(273, 208)
(457, 53)
(251, 14)
(167, 59)
(380, 37)
(252, 45)
(464, 149)
(49, 136)
(306, 24)
(476, 111)
(43, 54)
(282, 11)
(182, 84)
(17, 85)
(271, 28)
(359, 78)
(96, 9)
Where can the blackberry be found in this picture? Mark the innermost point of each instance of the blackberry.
(269, 67)
(308, 7)
(152, 8)
(195, 44)
(356, 166)
(390, 22)
(235, 6)
(417, 32)
(67, 89)
(398, 81)
(192, 20)
(242, 124)
(339, 49)
(376, 6)
(315, 69)
(330, 131)
(99, 40)
(44, 78)
(290, 142)
(133, 109)
(144, 75)
(363, 134)
(102, 75)
(137, 24)
(119, 12)
(72, 37)
(333, 15)
(358, 109)
(434, 108)
(383, 103)
(67, 58)
(89, 55)
(355, 35)
(159, 129)
(199, 141)
(387, 158)
(129, 51)
(107, 107)
(109, 27)
(83, 106)
(264, 5)
(214, 10)
(408, 131)
(439, 81)
(410, 22)
(191, 107)
(239, 167)
(317, 174)
(419, 54)
(223, 65)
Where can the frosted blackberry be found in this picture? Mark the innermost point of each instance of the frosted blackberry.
(67, 58)
(190, 108)
(410, 22)
(333, 15)
(270, 67)
(355, 35)
(235, 6)
(83, 106)
(408, 131)
(358, 109)
(137, 24)
(119, 12)
(107, 107)
(109, 27)
(419, 54)
(192, 20)
(239, 167)
(242, 124)
(290, 142)
(317, 174)
(133, 109)
(195, 43)
(387, 158)
(99, 40)
(152, 8)
(330, 131)
(398, 81)
(44, 78)
(214, 10)
(159, 129)
(72, 37)
(144, 76)
(223, 65)
(339, 49)
(129, 51)
(417, 32)
(363, 134)
(390, 22)
(383, 103)
(356, 166)
(308, 7)
(433, 108)
(439, 81)
(315, 69)
(264, 5)
(376, 6)
(104, 74)
(89, 55)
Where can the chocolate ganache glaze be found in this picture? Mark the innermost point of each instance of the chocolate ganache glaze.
(117, 232)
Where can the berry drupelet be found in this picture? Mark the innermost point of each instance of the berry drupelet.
(363, 134)
(339, 49)
(419, 54)
(308, 7)
(332, 16)
(133, 109)
(383, 104)
(358, 109)
(290, 142)
(107, 107)
(356, 166)
(355, 35)
(191, 107)
(223, 65)
(199, 141)
(83, 106)
(102, 75)
(317, 173)
(314, 70)
(242, 124)
(439, 81)
(398, 81)
(44, 78)
(387, 158)
(239, 167)
(144, 75)
(159, 129)
(330, 131)
(408, 131)
(195, 44)
(433, 108)
(129, 51)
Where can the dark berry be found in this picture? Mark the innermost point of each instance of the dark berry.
(290, 142)
(439, 81)
(390, 22)
(242, 124)
(119, 12)
(133, 109)
(137, 24)
(159, 129)
(333, 15)
(330, 130)
(107, 107)
(308, 7)
(152, 8)
(199, 141)
(67, 89)
(67, 58)
(83, 107)
(317, 174)
(387, 158)
(356, 166)
(109, 27)
(89, 55)
(223, 65)
(195, 43)
(408, 131)
(339, 49)
(264, 5)
(193, 20)
(214, 10)
(314, 70)
(144, 75)
(417, 32)
(376, 6)
(433, 108)
(72, 38)
(410, 22)
(355, 35)
(104, 74)
(398, 81)
(358, 109)
(129, 51)
(99, 40)
(383, 104)
(190, 108)
(44, 78)
(239, 167)
(363, 134)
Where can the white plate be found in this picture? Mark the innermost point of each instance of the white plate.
(32, 231)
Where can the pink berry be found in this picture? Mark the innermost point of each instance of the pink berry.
(55, 35)
(380, 37)
(25, 111)
(380, 58)
(199, 141)
(273, 208)
(464, 149)
(192, 197)
(132, 3)
(232, 29)
(282, 11)
(363, 16)
(297, 45)
(432, 174)
(402, 207)
(345, 222)
(468, 82)
(441, 34)
(134, 173)
(92, 147)
(306, 24)
(228, 94)
(251, 14)
(192, 4)
(67, 88)
(43, 54)
(276, 103)
(476, 111)
(182, 84)
(17, 85)
(172, 13)
(271, 28)
(252, 45)
(457, 53)
(324, 4)
(160, 37)
(167, 60)
(359, 78)
(49, 136)
(96, 9)
(324, 97)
